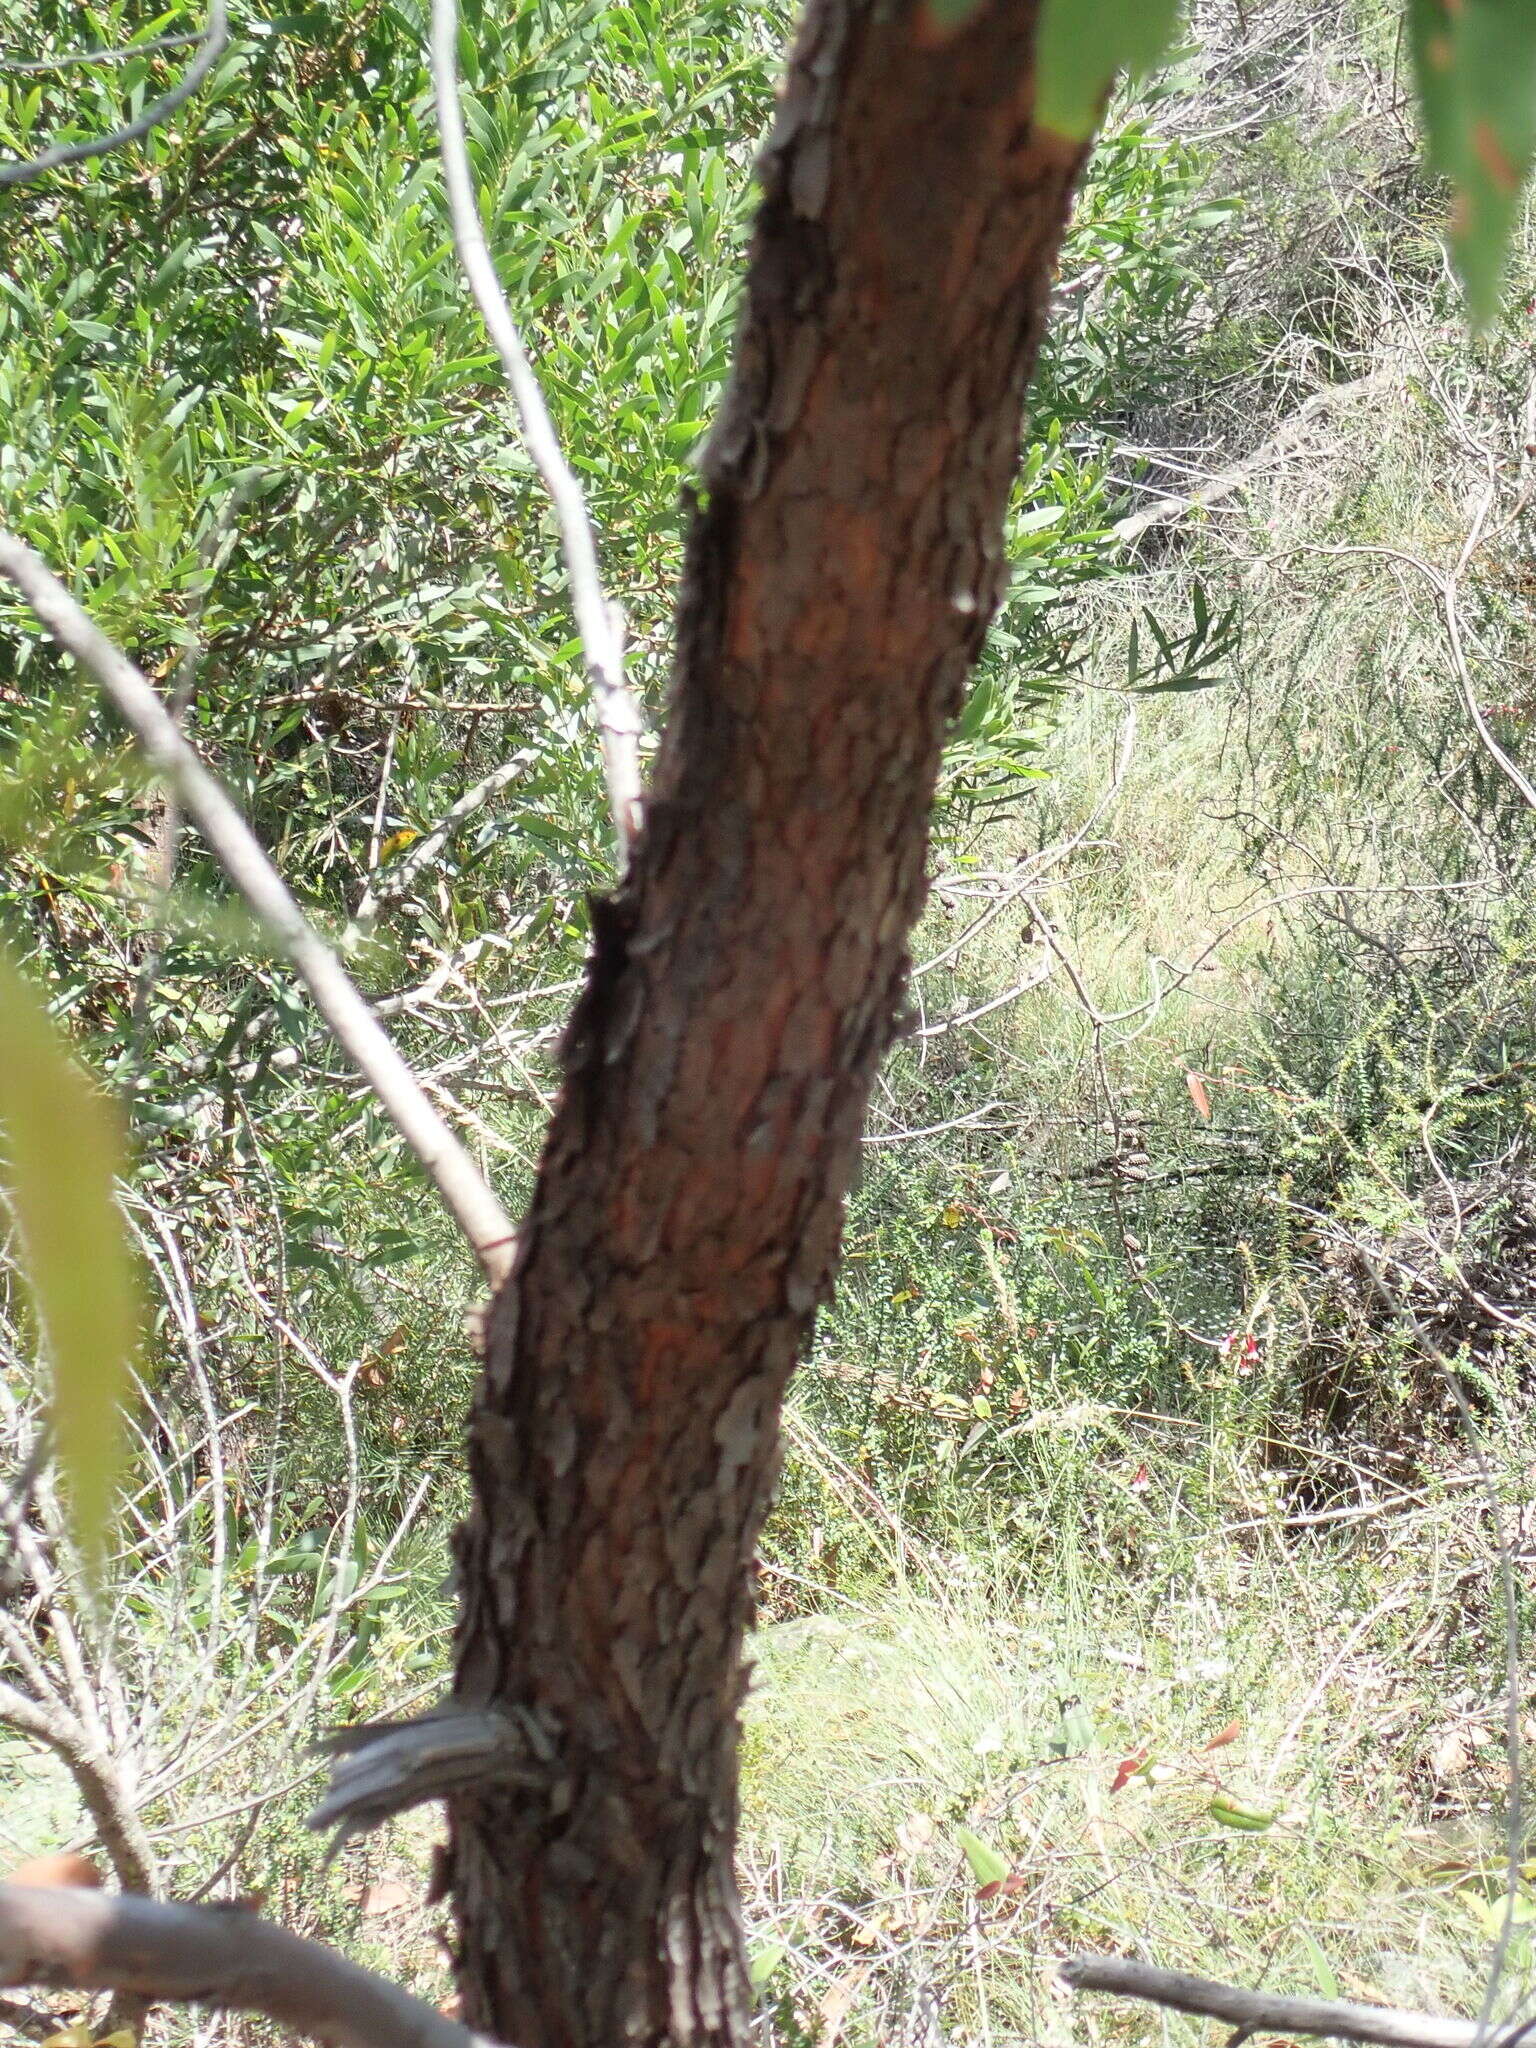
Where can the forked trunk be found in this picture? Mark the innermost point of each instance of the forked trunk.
(843, 563)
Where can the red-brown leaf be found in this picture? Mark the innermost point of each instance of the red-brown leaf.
(1127, 1768)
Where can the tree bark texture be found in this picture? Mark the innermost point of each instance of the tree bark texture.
(844, 559)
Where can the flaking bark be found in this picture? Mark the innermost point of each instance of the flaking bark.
(844, 559)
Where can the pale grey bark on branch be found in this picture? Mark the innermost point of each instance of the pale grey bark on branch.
(381, 1768)
(112, 53)
(384, 890)
(463, 1188)
(96, 1779)
(599, 622)
(224, 1957)
(1340, 2019)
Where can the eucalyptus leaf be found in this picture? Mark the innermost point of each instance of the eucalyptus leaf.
(1475, 62)
(1080, 47)
(62, 1156)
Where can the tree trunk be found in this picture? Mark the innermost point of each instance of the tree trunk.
(844, 559)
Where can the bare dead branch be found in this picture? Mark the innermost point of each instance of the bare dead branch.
(226, 1958)
(1290, 440)
(465, 1193)
(1341, 2019)
(214, 41)
(381, 1768)
(1446, 584)
(598, 621)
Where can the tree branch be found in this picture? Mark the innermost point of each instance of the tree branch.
(1339, 2018)
(599, 622)
(381, 1768)
(464, 1191)
(113, 53)
(214, 41)
(393, 883)
(226, 1958)
(96, 1780)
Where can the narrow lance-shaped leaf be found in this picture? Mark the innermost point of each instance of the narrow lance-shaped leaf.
(987, 1867)
(61, 1153)
(1476, 66)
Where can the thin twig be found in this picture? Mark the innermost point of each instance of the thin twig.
(1446, 585)
(599, 622)
(1288, 441)
(226, 1958)
(465, 1193)
(383, 889)
(214, 41)
(1341, 2019)
(114, 53)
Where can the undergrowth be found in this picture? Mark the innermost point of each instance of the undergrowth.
(1124, 1499)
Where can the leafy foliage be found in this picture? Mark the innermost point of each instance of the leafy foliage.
(246, 407)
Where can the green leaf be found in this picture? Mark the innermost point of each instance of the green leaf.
(1476, 66)
(987, 1867)
(1322, 1969)
(1074, 1732)
(63, 1151)
(1038, 517)
(1079, 47)
(1237, 1813)
(764, 1960)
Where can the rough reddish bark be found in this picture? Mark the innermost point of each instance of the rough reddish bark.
(843, 562)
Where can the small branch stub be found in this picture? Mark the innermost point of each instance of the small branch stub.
(382, 1767)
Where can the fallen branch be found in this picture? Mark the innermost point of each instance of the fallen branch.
(1338, 2018)
(464, 1190)
(224, 1957)
(1279, 448)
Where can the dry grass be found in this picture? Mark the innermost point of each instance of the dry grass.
(1354, 1674)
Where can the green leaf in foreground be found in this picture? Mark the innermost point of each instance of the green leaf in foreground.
(60, 1159)
(1080, 45)
(1476, 67)
(987, 1867)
